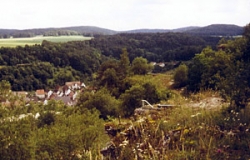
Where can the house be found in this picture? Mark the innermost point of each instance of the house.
(40, 93)
(161, 64)
(74, 85)
(153, 63)
(49, 94)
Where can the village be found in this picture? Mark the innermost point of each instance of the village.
(67, 94)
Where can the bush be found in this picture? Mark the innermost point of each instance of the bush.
(181, 76)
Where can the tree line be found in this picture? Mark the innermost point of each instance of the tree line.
(157, 47)
(83, 58)
(225, 69)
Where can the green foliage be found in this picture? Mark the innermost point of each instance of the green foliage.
(102, 100)
(54, 135)
(140, 66)
(17, 140)
(47, 118)
(209, 69)
(124, 63)
(225, 70)
(110, 78)
(34, 67)
(71, 137)
(181, 76)
(185, 133)
(131, 99)
(141, 88)
(5, 87)
(156, 47)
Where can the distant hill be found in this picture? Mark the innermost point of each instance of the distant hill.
(217, 30)
(184, 29)
(211, 30)
(91, 30)
(80, 30)
(161, 30)
(148, 31)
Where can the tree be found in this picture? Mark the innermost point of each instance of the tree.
(140, 66)
(241, 92)
(181, 76)
(109, 78)
(124, 63)
(131, 99)
(47, 118)
(4, 89)
(208, 69)
(102, 100)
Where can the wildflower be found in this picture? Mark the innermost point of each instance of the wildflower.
(186, 131)
(230, 133)
(151, 121)
(140, 120)
(219, 151)
(124, 143)
(192, 142)
(198, 113)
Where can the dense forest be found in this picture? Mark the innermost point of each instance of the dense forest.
(118, 68)
(51, 64)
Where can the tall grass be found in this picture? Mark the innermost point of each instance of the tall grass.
(186, 133)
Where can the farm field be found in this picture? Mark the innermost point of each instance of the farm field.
(13, 42)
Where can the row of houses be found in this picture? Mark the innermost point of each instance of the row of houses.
(161, 64)
(67, 94)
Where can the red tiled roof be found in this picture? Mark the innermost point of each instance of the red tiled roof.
(40, 92)
(72, 83)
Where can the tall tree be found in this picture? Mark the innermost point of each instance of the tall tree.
(140, 66)
(181, 76)
(124, 63)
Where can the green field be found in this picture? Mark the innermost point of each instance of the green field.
(13, 42)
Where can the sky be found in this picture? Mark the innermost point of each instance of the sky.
(121, 15)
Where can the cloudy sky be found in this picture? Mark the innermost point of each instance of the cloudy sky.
(122, 14)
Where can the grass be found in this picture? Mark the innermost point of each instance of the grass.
(13, 42)
(184, 133)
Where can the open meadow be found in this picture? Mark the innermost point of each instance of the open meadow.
(13, 42)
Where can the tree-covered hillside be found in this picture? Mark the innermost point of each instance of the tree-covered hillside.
(217, 30)
(47, 65)
(157, 47)
(80, 60)
(211, 30)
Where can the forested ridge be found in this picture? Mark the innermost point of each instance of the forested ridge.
(79, 60)
(158, 47)
(211, 30)
(103, 124)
